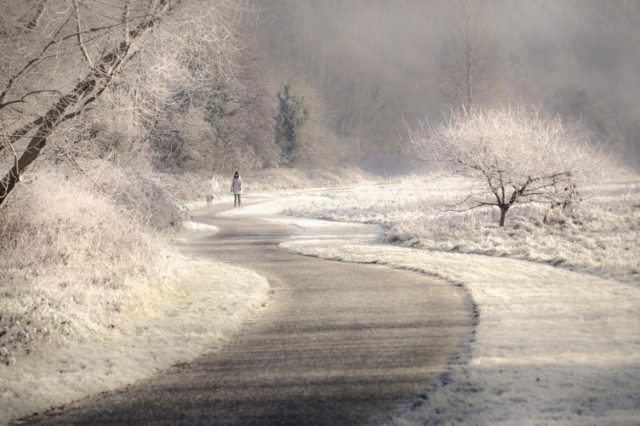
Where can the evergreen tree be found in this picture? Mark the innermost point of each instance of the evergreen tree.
(292, 115)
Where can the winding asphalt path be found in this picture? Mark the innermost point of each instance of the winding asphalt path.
(337, 343)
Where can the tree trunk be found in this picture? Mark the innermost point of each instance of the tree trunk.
(503, 214)
(84, 93)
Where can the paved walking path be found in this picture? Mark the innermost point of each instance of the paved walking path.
(338, 343)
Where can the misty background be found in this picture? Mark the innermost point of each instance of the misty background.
(367, 66)
(123, 121)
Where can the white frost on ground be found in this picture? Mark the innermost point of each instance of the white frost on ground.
(552, 346)
(600, 238)
(197, 226)
(273, 204)
(310, 223)
(207, 304)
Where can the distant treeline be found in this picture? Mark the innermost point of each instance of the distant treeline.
(369, 66)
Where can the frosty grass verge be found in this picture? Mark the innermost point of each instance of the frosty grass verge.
(551, 346)
(205, 305)
(601, 238)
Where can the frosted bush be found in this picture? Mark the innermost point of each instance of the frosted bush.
(600, 236)
(139, 191)
(73, 263)
(515, 154)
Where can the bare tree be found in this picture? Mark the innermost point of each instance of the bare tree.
(469, 58)
(215, 113)
(37, 96)
(58, 57)
(516, 155)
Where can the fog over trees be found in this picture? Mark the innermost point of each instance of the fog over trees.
(168, 93)
(467, 126)
(202, 94)
(371, 63)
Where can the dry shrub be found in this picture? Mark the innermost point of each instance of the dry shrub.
(286, 178)
(516, 154)
(279, 178)
(74, 263)
(187, 186)
(140, 191)
(197, 185)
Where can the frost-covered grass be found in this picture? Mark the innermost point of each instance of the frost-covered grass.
(203, 304)
(196, 188)
(93, 295)
(74, 265)
(600, 237)
(551, 346)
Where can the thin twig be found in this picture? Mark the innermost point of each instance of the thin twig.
(83, 48)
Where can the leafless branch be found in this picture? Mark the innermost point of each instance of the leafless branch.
(85, 92)
(83, 48)
(26, 95)
(35, 20)
(517, 153)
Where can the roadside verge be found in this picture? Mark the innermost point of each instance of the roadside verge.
(551, 345)
(205, 305)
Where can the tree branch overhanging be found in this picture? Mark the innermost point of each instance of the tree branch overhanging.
(85, 92)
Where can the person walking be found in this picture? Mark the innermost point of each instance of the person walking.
(236, 188)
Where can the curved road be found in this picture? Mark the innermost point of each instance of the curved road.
(337, 343)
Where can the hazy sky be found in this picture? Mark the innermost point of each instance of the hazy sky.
(381, 59)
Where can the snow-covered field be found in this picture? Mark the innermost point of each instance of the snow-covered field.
(195, 308)
(601, 238)
(553, 345)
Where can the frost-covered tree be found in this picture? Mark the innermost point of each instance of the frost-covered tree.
(515, 153)
(60, 59)
(292, 115)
